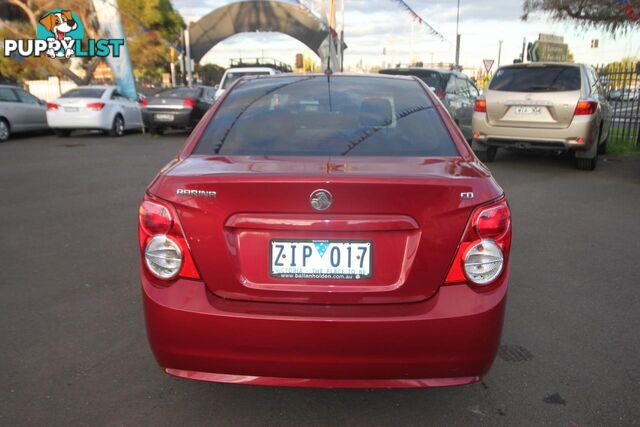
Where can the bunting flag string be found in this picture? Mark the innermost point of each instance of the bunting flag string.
(627, 8)
(419, 19)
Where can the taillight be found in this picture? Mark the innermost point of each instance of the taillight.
(143, 102)
(440, 94)
(484, 249)
(480, 106)
(189, 103)
(162, 242)
(95, 106)
(585, 108)
(52, 106)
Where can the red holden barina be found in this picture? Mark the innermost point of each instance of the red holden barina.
(325, 231)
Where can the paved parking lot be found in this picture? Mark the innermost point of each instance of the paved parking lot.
(74, 350)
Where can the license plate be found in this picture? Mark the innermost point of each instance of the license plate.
(321, 259)
(528, 110)
(71, 109)
(164, 117)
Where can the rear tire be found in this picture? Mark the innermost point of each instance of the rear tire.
(117, 128)
(586, 164)
(62, 133)
(156, 131)
(488, 155)
(5, 130)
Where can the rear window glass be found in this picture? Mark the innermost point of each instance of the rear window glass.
(181, 92)
(86, 92)
(235, 75)
(536, 79)
(315, 115)
(431, 78)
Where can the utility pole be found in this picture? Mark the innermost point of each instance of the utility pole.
(458, 36)
(524, 46)
(499, 52)
(187, 44)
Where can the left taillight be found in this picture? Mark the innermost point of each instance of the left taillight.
(484, 250)
(163, 245)
(480, 106)
(95, 106)
(52, 106)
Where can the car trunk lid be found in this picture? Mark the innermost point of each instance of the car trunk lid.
(409, 210)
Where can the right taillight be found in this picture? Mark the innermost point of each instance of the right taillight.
(52, 106)
(484, 249)
(163, 246)
(585, 108)
(189, 103)
(480, 106)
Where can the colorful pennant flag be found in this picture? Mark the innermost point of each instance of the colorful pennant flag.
(419, 19)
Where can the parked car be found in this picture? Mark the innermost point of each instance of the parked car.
(20, 112)
(615, 95)
(543, 106)
(456, 91)
(93, 108)
(177, 108)
(326, 231)
(233, 74)
(630, 95)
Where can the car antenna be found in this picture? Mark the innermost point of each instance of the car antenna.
(328, 72)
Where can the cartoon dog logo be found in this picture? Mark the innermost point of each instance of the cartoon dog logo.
(60, 23)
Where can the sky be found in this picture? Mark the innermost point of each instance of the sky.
(373, 25)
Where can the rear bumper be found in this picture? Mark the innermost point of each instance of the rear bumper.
(581, 127)
(79, 120)
(181, 118)
(450, 339)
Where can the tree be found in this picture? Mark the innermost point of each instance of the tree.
(608, 15)
(210, 74)
(151, 27)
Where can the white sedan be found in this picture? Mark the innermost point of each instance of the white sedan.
(93, 107)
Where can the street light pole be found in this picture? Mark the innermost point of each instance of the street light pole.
(499, 51)
(458, 35)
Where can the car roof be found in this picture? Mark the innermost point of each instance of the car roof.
(419, 69)
(250, 69)
(541, 64)
(332, 75)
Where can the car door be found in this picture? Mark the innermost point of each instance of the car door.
(34, 108)
(599, 94)
(12, 109)
(468, 94)
(454, 101)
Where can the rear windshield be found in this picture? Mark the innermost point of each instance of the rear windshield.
(320, 116)
(536, 79)
(86, 92)
(432, 78)
(235, 75)
(180, 92)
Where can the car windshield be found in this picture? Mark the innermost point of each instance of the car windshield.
(431, 78)
(85, 92)
(235, 75)
(536, 79)
(327, 116)
(180, 92)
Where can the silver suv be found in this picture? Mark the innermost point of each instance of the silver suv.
(544, 106)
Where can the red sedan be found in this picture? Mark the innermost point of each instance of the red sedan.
(325, 231)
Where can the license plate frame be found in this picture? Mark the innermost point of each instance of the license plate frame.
(163, 117)
(71, 109)
(323, 273)
(531, 110)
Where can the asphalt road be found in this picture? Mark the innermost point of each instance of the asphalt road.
(74, 350)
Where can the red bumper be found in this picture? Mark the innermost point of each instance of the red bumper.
(451, 339)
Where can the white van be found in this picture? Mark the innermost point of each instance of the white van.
(233, 74)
